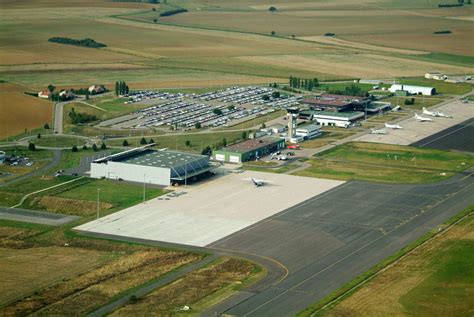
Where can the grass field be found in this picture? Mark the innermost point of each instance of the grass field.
(386, 163)
(441, 86)
(198, 140)
(435, 280)
(52, 264)
(192, 289)
(76, 278)
(59, 141)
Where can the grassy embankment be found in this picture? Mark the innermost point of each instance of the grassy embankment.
(386, 163)
(408, 282)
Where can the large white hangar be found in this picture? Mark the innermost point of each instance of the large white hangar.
(143, 164)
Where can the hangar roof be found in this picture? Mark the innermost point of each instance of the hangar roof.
(251, 144)
(167, 159)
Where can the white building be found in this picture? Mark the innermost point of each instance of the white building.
(308, 131)
(414, 90)
(337, 119)
(435, 75)
(150, 166)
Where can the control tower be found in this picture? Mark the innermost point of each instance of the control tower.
(292, 115)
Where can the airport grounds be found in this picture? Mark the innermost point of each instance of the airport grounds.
(351, 223)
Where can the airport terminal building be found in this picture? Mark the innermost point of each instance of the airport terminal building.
(150, 166)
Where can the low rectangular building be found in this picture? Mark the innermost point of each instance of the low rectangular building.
(249, 150)
(308, 131)
(337, 119)
(333, 102)
(414, 90)
(150, 166)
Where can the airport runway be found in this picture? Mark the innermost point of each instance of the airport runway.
(459, 137)
(330, 239)
(35, 216)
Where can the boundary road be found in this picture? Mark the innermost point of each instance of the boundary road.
(34, 216)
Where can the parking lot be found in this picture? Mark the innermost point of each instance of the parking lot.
(207, 212)
(414, 130)
(211, 109)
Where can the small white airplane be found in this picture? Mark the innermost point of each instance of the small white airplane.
(393, 126)
(422, 119)
(378, 131)
(396, 109)
(434, 113)
(258, 182)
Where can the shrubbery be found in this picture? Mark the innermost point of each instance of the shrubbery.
(87, 42)
(77, 118)
(173, 12)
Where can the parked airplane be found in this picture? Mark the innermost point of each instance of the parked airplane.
(392, 126)
(396, 109)
(378, 131)
(434, 113)
(258, 182)
(422, 119)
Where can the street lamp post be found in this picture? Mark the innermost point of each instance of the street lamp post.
(98, 202)
(144, 188)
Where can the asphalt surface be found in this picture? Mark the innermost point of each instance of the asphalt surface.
(459, 137)
(34, 216)
(330, 239)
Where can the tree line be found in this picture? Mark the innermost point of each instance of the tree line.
(121, 88)
(303, 83)
(352, 90)
(87, 42)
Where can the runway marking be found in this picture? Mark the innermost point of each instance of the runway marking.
(287, 271)
(344, 258)
(444, 135)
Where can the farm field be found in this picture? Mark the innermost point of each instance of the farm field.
(386, 163)
(198, 56)
(21, 112)
(441, 269)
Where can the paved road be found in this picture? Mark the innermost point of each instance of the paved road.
(332, 238)
(34, 216)
(55, 161)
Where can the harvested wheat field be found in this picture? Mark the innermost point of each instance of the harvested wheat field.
(356, 65)
(19, 112)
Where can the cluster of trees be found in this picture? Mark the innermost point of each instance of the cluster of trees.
(143, 141)
(121, 88)
(410, 101)
(173, 12)
(79, 118)
(442, 32)
(352, 90)
(85, 91)
(143, 1)
(302, 83)
(87, 42)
